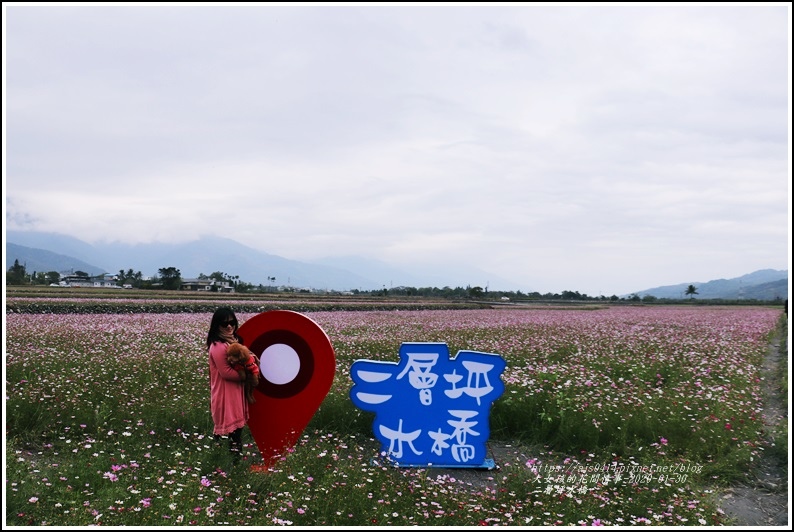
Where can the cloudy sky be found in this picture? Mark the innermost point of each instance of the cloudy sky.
(594, 148)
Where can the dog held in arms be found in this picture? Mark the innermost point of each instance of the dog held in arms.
(241, 359)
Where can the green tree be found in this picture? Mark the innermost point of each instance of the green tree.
(242, 286)
(171, 278)
(475, 291)
(17, 274)
(567, 294)
(691, 291)
(130, 277)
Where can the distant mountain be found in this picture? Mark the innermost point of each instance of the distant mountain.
(39, 260)
(765, 291)
(54, 252)
(763, 285)
(206, 255)
(56, 243)
(212, 254)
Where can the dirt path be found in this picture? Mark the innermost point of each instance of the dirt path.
(764, 499)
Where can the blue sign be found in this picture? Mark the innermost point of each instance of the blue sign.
(430, 411)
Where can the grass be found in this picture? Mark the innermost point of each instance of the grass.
(624, 416)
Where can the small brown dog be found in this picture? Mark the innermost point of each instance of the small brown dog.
(241, 359)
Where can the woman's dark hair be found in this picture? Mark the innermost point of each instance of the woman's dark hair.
(223, 314)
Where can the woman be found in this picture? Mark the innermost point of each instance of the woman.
(228, 405)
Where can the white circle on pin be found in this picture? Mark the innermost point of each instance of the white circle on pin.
(279, 363)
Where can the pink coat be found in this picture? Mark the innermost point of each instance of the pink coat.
(228, 405)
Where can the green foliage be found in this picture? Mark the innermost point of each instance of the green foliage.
(17, 274)
(171, 278)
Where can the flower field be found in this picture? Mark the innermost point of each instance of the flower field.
(624, 415)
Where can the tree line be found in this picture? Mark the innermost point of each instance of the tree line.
(170, 278)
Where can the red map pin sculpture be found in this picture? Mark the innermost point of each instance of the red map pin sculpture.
(297, 366)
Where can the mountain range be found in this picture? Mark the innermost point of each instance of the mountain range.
(44, 252)
(41, 251)
(763, 285)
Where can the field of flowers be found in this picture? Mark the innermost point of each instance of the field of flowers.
(625, 416)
